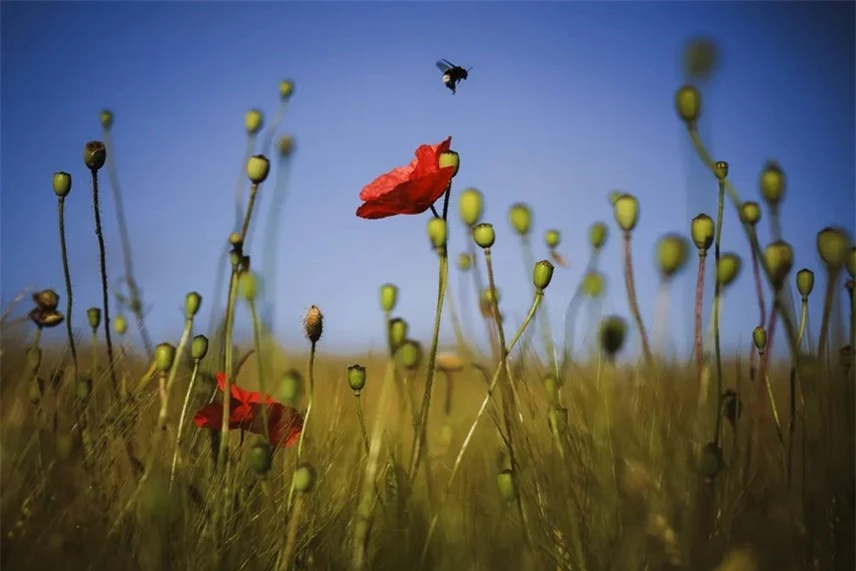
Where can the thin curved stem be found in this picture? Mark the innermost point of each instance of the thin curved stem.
(717, 295)
(257, 341)
(634, 304)
(699, 351)
(184, 407)
(104, 297)
(68, 290)
(831, 279)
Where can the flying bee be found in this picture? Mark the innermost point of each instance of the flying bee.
(452, 74)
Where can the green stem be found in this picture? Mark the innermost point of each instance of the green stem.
(362, 423)
(571, 311)
(832, 277)
(634, 304)
(104, 297)
(702, 256)
(803, 319)
(257, 340)
(717, 296)
(254, 188)
(68, 290)
(546, 329)
(227, 370)
(305, 416)
(173, 370)
(184, 408)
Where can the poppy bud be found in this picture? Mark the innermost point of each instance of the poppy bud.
(688, 104)
(772, 183)
(720, 169)
(552, 238)
(471, 206)
(199, 347)
(450, 159)
(778, 258)
(164, 357)
(700, 58)
(551, 387)
(598, 233)
(728, 269)
(34, 358)
(593, 284)
(258, 168)
(235, 239)
(702, 229)
(397, 331)
(248, 285)
(759, 338)
(260, 458)
(106, 118)
(490, 296)
(520, 216)
(626, 212)
(409, 354)
(46, 300)
(93, 315)
(253, 121)
(313, 324)
(356, 378)
(732, 406)
(465, 262)
(285, 145)
(304, 477)
(613, 330)
(120, 324)
(613, 197)
(290, 385)
(484, 235)
(542, 275)
(83, 388)
(388, 297)
(507, 486)
(833, 245)
(851, 263)
(286, 89)
(61, 184)
(94, 155)
(437, 233)
(672, 254)
(750, 213)
(192, 302)
(711, 463)
(805, 282)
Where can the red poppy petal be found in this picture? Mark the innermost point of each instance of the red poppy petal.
(209, 416)
(428, 157)
(425, 191)
(386, 182)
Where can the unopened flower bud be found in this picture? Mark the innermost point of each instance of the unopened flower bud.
(258, 168)
(388, 297)
(83, 389)
(164, 357)
(520, 216)
(626, 212)
(356, 378)
(261, 457)
(248, 286)
(199, 347)
(507, 485)
(290, 385)
(688, 104)
(805, 282)
(772, 183)
(484, 235)
(542, 275)
(304, 477)
(34, 358)
(61, 184)
(93, 315)
(253, 121)
(702, 230)
(728, 269)
(192, 301)
(471, 206)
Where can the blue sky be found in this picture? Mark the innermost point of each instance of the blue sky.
(566, 102)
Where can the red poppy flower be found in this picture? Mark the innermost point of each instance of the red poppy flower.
(411, 189)
(245, 413)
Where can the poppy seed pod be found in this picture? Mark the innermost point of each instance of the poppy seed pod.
(261, 457)
(235, 239)
(253, 121)
(46, 299)
(388, 297)
(613, 330)
(437, 232)
(702, 229)
(805, 282)
(192, 301)
(833, 245)
(199, 347)
(626, 212)
(93, 316)
(94, 155)
(313, 324)
(552, 238)
(598, 233)
(398, 328)
(700, 58)
(711, 462)
(720, 169)
(593, 284)
(484, 235)
(409, 354)
(450, 159)
(61, 183)
(120, 324)
(772, 183)
(290, 385)
(164, 357)
(520, 216)
(83, 389)
(356, 378)
(465, 262)
(304, 477)
(106, 118)
(45, 319)
(778, 258)
(732, 406)
(490, 296)
(551, 387)
(759, 338)
(507, 485)
(248, 285)
(728, 269)
(286, 89)
(672, 254)
(285, 145)
(851, 263)
(542, 274)
(258, 168)
(688, 104)
(471, 206)
(750, 213)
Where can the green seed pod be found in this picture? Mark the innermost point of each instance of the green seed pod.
(258, 168)
(437, 232)
(261, 458)
(593, 284)
(471, 206)
(199, 347)
(465, 262)
(833, 245)
(164, 357)
(235, 240)
(728, 269)
(491, 296)
(388, 297)
(398, 329)
(61, 183)
(700, 58)
(598, 233)
(688, 104)
(285, 146)
(192, 301)
(291, 386)
(711, 462)
(732, 406)
(805, 282)
(851, 263)
(759, 337)
(720, 169)
(520, 216)
(304, 477)
(409, 354)
(356, 378)
(484, 235)
(702, 229)
(93, 315)
(253, 121)
(672, 254)
(542, 275)
(552, 238)
(120, 324)
(750, 213)
(613, 197)
(286, 89)
(83, 389)
(34, 358)
(46, 300)
(507, 485)
(778, 258)
(551, 387)
(626, 212)
(94, 155)
(613, 330)
(106, 118)
(248, 286)
(772, 183)
(450, 159)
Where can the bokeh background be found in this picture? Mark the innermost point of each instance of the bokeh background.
(565, 102)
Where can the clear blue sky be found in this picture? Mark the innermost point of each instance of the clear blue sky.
(566, 102)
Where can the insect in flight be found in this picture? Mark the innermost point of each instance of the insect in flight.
(452, 74)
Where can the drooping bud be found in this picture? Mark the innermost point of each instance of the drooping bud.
(626, 212)
(520, 217)
(471, 206)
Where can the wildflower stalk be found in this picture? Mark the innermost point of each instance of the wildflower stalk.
(759, 291)
(631, 299)
(717, 297)
(257, 341)
(173, 370)
(831, 279)
(193, 376)
(699, 351)
(544, 318)
(306, 415)
(362, 419)
(68, 290)
(227, 369)
(291, 534)
(803, 319)
(572, 308)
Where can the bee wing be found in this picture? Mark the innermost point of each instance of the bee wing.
(444, 65)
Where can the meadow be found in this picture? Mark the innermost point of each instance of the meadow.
(529, 455)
